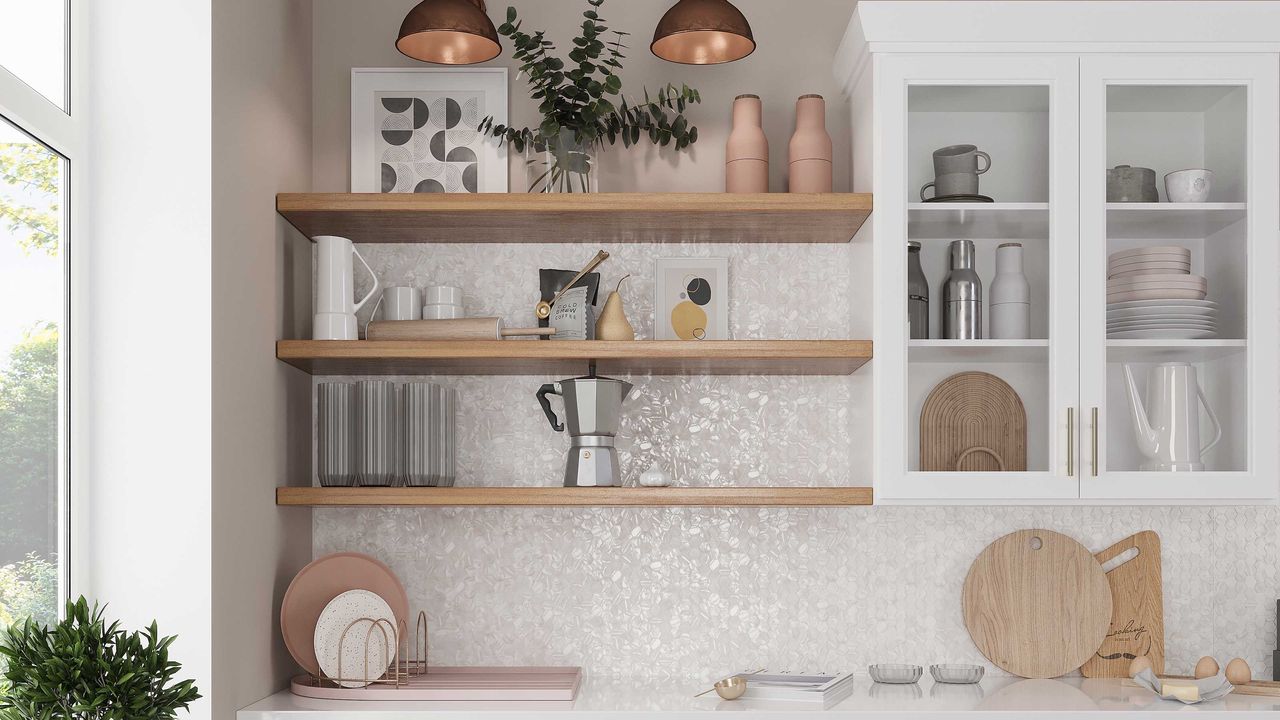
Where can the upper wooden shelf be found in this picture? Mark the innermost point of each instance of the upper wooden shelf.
(575, 497)
(592, 217)
(534, 357)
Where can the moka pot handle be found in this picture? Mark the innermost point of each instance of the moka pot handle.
(543, 392)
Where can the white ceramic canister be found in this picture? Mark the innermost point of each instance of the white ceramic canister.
(1010, 300)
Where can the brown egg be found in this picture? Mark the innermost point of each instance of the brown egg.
(1207, 667)
(1238, 672)
(1138, 665)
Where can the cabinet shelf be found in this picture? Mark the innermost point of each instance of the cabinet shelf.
(1173, 350)
(532, 357)
(994, 221)
(978, 351)
(575, 497)
(591, 217)
(1171, 221)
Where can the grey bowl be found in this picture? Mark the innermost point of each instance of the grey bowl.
(895, 674)
(957, 674)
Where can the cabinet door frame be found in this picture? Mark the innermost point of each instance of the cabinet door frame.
(1258, 73)
(894, 73)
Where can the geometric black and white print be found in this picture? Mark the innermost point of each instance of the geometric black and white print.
(427, 141)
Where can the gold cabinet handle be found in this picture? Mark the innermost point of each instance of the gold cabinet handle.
(1094, 445)
(1071, 442)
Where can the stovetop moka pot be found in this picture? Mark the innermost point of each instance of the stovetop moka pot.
(593, 414)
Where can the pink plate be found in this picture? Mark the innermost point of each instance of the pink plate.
(323, 580)
(459, 683)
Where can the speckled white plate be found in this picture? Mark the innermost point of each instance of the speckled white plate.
(364, 609)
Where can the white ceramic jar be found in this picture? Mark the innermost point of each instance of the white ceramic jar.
(1010, 295)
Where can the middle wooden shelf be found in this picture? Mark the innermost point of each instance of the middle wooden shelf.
(532, 357)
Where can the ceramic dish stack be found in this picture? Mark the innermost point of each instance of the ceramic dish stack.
(1152, 295)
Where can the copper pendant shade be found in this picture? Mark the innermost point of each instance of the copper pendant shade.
(449, 32)
(703, 32)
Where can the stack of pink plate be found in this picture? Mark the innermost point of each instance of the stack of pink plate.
(1152, 295)
(1153, 273)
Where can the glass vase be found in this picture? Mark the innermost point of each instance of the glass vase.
(561, 164)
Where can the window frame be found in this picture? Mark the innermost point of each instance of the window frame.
(66, 133)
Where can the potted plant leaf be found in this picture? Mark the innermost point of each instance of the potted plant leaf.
(576, 98)
(85, 669)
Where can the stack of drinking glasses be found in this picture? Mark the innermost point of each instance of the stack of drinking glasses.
(377, 433)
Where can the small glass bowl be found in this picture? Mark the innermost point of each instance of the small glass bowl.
(954, 674)
(895, 674)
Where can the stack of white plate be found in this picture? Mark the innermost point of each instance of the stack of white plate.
(1162, 320)
(1151, 294)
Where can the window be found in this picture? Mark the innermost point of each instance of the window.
(38, 145)
(33, 45)
(32, 311)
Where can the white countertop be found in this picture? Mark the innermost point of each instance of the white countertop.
(610, 698)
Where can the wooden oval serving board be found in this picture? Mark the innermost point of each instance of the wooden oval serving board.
(973, 411)
(1037, 603)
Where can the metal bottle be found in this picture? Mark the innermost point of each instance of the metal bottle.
(962, 295)
(917, 294)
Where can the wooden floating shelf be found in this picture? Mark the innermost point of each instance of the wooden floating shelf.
(575, 497)
(533, 357)
(591, 217)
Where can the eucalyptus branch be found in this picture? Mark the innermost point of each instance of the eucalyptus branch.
(574, 93)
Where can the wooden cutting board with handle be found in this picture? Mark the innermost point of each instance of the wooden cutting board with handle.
(1137, 613)
(1037, 603)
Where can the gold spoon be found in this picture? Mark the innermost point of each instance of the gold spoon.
(543, 308)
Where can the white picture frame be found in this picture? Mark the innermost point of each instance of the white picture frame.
(684, 286)
(400, 101)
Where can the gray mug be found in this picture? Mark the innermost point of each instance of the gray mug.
(952, 184)
(959, 159)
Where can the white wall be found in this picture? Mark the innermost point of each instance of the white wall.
(148, 226)
(795, 44)
(262, 292)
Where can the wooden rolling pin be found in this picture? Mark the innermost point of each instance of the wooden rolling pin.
(482, 328)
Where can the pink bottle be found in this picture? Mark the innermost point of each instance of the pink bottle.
(810, 150)
(746, 156)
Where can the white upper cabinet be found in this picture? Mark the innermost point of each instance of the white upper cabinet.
(1050, 417)
(1199, 422)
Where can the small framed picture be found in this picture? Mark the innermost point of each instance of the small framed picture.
(691, 298)
(413, 130)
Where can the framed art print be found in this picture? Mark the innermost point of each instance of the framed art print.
(414, 130)
(691, 299)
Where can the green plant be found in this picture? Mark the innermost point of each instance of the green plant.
(84, 669)
(574, 102)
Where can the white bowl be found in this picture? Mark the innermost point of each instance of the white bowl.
(1188, 186)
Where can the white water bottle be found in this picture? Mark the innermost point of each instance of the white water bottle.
(1010, 295)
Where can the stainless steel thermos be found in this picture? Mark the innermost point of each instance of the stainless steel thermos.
(917, 294)
(962, 295)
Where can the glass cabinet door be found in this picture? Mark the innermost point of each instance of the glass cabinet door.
(980, 397)
(1178, 266)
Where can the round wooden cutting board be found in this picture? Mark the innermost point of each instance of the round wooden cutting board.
(1037, 603)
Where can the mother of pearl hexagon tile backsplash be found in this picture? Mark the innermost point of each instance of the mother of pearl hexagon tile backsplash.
(689, 593)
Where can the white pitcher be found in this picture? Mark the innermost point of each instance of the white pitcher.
(1168, 427)
(336, 307)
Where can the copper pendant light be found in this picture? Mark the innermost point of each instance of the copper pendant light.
(703, 32)
(449, 32)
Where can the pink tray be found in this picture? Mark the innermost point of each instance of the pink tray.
(458, 683)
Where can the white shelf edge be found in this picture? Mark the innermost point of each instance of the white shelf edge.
(989, 207)
(1171, 207)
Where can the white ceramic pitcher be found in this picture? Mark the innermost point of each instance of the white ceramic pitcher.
(336, 307)
(1167, 428)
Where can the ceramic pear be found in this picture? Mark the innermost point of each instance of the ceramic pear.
(613, 324)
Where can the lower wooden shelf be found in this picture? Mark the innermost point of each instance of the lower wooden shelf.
(575, 497)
